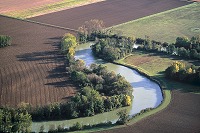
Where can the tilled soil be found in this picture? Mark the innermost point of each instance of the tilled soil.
(112, 12)
(32, 68)
(181, 116)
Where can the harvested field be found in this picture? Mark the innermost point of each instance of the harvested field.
(32, 68)
(181, 116)
(112, 12)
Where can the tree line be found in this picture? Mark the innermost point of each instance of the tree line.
(183, 47)
(180, 72)
(109, 43)
(5, 41)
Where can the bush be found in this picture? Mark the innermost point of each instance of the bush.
(123, 117)
(76, 127)
(5, 41)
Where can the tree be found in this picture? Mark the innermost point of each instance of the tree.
(90, 28)
(182, 42)
(123, 116)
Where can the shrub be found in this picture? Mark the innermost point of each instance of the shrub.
(5, 41)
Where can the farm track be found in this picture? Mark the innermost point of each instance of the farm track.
(32, 70)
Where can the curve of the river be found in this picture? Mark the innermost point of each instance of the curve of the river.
(147, 94)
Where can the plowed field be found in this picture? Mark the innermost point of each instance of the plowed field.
(32, 68)
(112, 12)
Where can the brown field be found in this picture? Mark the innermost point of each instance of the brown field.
(32, 68)
(112, 12)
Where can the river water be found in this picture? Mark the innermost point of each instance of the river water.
(147, 94)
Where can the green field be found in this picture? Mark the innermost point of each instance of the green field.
(155, 65)
(165, 26)
(64, 4)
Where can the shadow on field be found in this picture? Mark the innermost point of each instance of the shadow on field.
(51, 59)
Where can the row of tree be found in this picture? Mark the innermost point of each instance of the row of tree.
(111, 46)
(99, 90)
(5, 41)
(15, 120)
(178, 71)
(183, 47)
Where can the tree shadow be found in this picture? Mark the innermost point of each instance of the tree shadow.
(51, 59)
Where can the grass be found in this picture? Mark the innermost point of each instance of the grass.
(165, 26)
(155, 66)
(48, 8)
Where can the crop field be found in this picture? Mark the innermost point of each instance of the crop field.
(32, 68)
(30, 8)
(165, 26)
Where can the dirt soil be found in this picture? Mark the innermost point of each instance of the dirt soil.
(32, 68)
(112, 12)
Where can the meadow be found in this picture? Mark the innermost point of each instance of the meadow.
(165, 26)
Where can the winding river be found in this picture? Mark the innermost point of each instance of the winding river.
(147, 94)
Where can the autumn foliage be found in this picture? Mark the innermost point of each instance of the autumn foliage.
(180, 72)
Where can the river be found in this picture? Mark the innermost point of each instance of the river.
(147, 94)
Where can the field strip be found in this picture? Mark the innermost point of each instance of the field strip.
(41, 23)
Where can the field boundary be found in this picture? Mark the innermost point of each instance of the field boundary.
(41, 23)
(153, 15)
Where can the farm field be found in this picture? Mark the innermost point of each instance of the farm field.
(112, 12)
(165, 26)
(32, 69)
(30, 52)
(25, 9)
